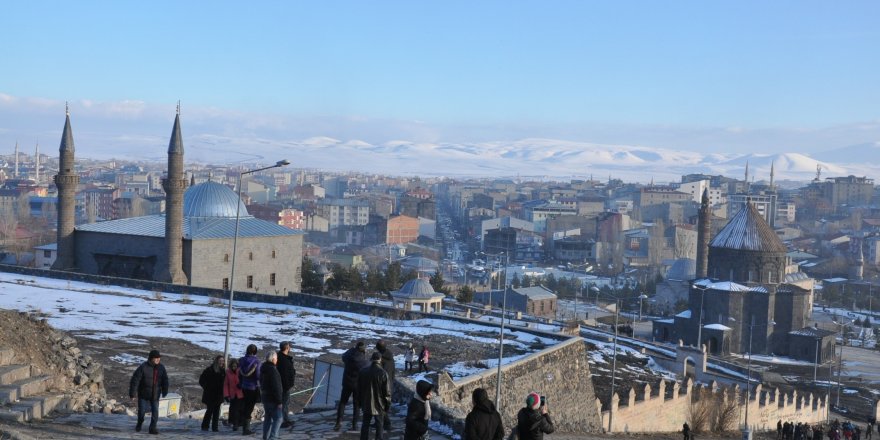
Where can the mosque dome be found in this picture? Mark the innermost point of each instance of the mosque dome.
(212, 199)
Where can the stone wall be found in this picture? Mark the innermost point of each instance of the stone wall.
(560, 372)
(667, 409)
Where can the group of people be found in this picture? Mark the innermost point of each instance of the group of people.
(242, 385)
(368, 384)
(835, 430)
(423, 357)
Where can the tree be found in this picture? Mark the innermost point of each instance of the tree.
(465, 294)
(436, 281)
(311, 279)
(515, 282)
(392, 277)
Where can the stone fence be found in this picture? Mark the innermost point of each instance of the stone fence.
(561, 373)
(666, 410)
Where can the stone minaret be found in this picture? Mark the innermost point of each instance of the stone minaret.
(174, 185)
(703, 229)
(772, 175)
(66, 180)
(857, 267)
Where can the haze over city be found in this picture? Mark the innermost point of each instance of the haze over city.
(488, 89)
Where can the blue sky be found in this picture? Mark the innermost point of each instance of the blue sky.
(683, 74)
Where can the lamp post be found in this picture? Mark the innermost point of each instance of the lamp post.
(613, 363)
(747, 432)
(278, 164)
(702, 290)
(840, 359)
(816, 364)
(642, 297)
(501, 337)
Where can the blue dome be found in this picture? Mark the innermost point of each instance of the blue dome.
(418, 289)
(212, 199)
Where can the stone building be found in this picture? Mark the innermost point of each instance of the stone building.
(191, 243)
(750, 295)
(535, 301)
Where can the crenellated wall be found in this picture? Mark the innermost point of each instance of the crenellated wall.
(667, 409)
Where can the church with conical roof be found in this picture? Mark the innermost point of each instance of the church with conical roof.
(190, 244)
(747, 292)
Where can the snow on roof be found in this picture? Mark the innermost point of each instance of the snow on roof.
(748, 231)
(684, 314)
(665, 321)
(721, 327)
(727, 286)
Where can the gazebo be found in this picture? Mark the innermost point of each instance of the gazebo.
(418, 292)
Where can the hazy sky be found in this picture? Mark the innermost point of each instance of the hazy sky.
(738, 76)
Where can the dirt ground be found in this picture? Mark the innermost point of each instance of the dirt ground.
(185, 361)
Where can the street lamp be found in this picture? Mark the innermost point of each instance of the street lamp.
(501, 338)
(746, 432)
(702, 290)
(278, 164)
(839, 360)
(642, 297)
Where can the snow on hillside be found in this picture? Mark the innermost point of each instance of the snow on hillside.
(110, 312)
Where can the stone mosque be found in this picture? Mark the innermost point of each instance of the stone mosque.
(746, 291)
(190, 244)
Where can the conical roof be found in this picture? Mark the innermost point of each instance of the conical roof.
(66, 136)
(175, 146)
(748, 231)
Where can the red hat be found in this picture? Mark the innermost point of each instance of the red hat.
(533, 401)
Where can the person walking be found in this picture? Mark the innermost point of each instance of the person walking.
(212, 380)
(288, 377)
(483, 422)
(375, 395)
(272, 390)
(149, 382)
(389, 367)
(533, 421)
(424, 356)
(249, 376)
(233, 394)
(409, 359)
(418, 412)
(686, 431)
(354, 360)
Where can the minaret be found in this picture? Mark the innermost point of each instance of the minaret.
(66, 180)
(857, 267)
(748, 186)
(37, 164)
(772, 175)
(703, 229)
(16, 160)
(174, 185)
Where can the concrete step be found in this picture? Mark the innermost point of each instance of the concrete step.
(23, 388)
(39, 406)
(6, 356)
(11, 416)
(13, 373)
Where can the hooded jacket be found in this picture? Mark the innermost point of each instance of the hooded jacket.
(249, 372)
(483, 422)
(374, 389)
(417, 414)
(532, 425)
(212, 382)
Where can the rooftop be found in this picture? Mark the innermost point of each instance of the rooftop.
(748, 231)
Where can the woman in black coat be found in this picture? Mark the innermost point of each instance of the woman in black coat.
(211, 382)
(483, 422)
(418, 413)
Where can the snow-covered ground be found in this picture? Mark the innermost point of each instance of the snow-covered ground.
(116, 313)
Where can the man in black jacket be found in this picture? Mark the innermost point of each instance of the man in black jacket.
(483, 422)
(389, 367)
(534, 421)
(271, 388)
(211, 381)
(149, 381)
(354, 360)
(375, 396)
(418, 412)
(288, 376)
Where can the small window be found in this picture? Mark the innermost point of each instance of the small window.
(250, 281)
(226, 258)
(272, 279)
(250, 255)
(225, 283)
(273, 253)
(47, 254)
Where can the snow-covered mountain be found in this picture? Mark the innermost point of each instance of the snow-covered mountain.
(527, 158)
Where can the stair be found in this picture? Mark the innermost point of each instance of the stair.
(24, 396)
